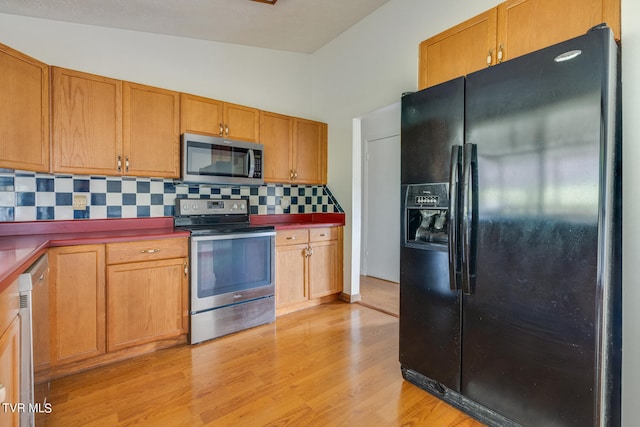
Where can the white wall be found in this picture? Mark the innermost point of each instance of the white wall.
(367, 67)
(630, 212)
(267, 79)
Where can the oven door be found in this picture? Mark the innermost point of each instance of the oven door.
(231, 268)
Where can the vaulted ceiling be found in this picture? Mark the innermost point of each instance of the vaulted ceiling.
(292, 25)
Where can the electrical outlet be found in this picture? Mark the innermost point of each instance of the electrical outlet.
(79, 202)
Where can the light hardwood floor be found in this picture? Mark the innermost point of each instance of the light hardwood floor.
(331, 365)
(380, 295)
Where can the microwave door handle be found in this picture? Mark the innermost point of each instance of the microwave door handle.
(252, 163)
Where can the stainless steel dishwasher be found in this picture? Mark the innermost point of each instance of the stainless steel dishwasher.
(33, 285)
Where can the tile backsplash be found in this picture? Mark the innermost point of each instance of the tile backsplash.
(30, 196)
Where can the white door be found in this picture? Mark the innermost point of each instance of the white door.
(382, 208)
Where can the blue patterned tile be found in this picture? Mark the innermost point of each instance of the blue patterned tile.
(114, 211)
(25, 199)
(157, 199)
(114, 186)
(82, 214)
(64, 199)
(169, 188)
(45, 185)
(7, 214)
(168, 210)
(144, 211)
(143, 187)
(81, 185)
(45, 213)
(98, 199)
(129, 199)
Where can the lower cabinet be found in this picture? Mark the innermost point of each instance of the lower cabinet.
(77, 298)
(308, 267)
(112, 301)
(9, 355)
(145, 302)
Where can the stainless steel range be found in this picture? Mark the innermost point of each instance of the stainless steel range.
(232, 267)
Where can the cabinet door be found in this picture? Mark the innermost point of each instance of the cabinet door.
(310, 152)
(241, 123)
(528, 25)
(151, 126)
(458, 51)
(87, 123)
(24, 112)
(276, 134)
(323, 269)
(77, 307)
(10, 372)
(200, 115)
(145, 302)
(291, 275)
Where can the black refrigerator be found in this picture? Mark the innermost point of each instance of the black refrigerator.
(510, 259)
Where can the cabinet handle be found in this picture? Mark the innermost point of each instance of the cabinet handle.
(310, 251)
(291, 238)
(149, 251)
(119, 163)
(186, 270)
(307, 252)
(295, 174)
(3, 393)
(221, 129)
(500, 53)
(323, 234)
(226, 130)
(489, 57)
(126, 164)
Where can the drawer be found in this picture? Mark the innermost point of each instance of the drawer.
(292, 237)
(147, 250)
(324, 233)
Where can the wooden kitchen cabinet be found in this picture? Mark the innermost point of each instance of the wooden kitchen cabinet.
(77, 303)
(24, 112)
(147, 298)
(10, 353)
(109, 302)
(511, 29)
(276, 131)
(104, 126)
(295, 149)
(308, 267)
(528, 25)
(151, 131)
(218, 118)
(87, 123)
(458, 51)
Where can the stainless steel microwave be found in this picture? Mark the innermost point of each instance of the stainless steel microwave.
(214, 160)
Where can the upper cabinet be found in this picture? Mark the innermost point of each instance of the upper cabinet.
(458, 51)
(295, 149)
(151, 126)
(223, 119)
(309, 152)
(512, 29)
(24, 112)
(87, 123)
(107, 127)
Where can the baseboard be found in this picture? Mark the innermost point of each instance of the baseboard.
(350, 298)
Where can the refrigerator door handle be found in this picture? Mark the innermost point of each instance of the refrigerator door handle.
(454, 179)
(469, 216)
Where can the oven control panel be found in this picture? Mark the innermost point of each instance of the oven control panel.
(186, 207)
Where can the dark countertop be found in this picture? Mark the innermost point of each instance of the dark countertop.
(290, 221)
(22, 243)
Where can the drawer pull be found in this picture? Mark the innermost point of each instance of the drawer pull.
(150, 251)
(323, 235)
(291, 238)
(3, 393)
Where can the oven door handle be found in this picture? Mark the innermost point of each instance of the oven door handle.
(252, 164)
(248, 235)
